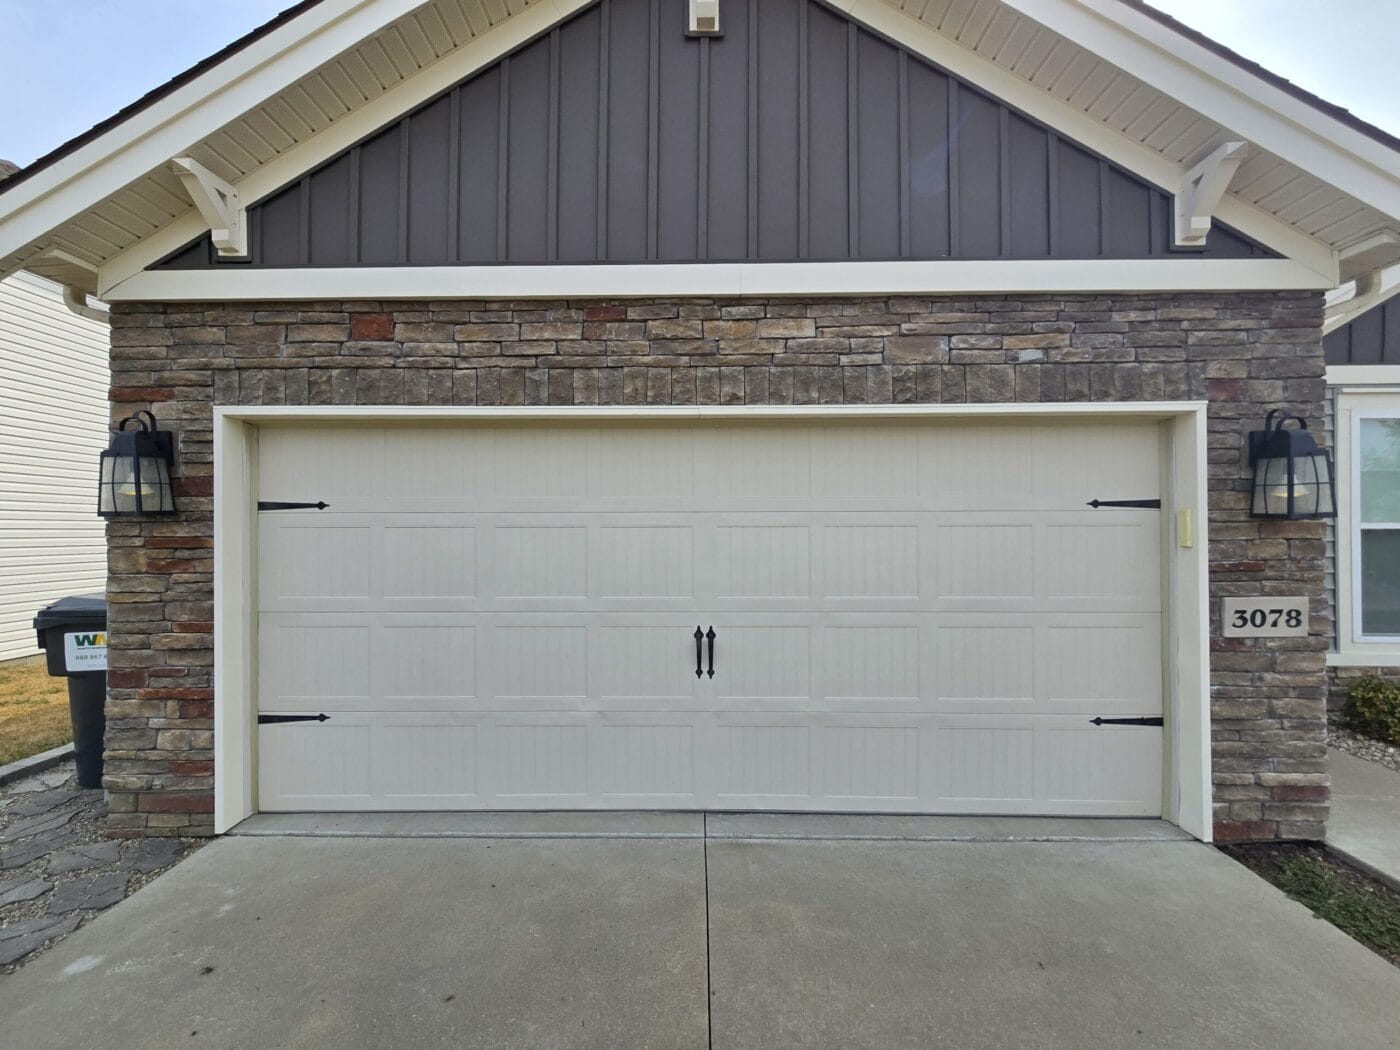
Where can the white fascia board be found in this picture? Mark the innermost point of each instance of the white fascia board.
(306, 156)
(1233, 97)
(716, 279)
(1364, 376)
(179, 122)
(1088, 131)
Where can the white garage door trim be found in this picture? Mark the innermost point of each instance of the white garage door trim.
(1188, 798)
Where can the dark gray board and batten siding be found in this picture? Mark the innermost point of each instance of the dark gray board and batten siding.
(797, 135)
(1373, 338)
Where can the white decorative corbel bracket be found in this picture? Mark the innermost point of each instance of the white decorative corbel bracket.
(1201, 191)
(218, 202)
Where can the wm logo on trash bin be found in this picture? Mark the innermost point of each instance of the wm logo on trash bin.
(85, 651)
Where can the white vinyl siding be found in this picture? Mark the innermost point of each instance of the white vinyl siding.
(53, 424)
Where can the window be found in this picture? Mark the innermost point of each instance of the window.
(1376, 526)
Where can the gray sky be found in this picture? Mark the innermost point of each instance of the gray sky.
(67, 64)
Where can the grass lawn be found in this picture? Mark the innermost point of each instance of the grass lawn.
(33, 711)
(1351, 901)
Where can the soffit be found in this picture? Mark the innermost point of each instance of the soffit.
(408, 47)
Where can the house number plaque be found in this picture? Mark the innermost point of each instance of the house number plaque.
(1264, 617)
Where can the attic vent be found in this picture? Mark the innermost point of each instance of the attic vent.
(703, 18)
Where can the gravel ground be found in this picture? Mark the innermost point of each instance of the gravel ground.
(1344, 739)
(57, 868)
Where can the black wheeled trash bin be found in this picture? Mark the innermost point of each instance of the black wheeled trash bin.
(73, 633)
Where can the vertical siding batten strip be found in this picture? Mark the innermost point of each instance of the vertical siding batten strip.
(304, 221)
(502, 161)
(905, 231)
(954, 235)
(355, 205)
(1004, 198)
(604, 33)
(1052, 193)
(702, 155)
(454, 175)
(551, 228)
(654, 131)
(803, 131)
(752, 158)
(852, 142)
(1103, 208)
(405, 131)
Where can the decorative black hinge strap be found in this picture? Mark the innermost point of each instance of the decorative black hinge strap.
(270, 504)
(1153, 721)
(273, 719)
(1153, 504)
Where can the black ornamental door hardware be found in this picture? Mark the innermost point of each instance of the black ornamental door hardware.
(272, 504)
(264, 720)
(1155, 720)
(704, 636)
(1149, 504)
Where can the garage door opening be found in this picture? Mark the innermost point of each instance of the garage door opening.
(837, 614)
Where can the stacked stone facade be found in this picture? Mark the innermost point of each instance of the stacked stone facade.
(1245, 353)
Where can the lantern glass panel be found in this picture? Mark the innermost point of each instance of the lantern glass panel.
(1271, 487)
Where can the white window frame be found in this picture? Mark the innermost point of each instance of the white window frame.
(1354, 405)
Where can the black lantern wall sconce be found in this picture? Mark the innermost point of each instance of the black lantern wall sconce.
(134, 471)
(1292, 477)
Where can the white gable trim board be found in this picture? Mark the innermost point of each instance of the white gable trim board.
(717, 279)
(1256, 113)
(473, 722)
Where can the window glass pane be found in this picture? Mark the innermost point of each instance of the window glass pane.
(1380, 581)
(1380, 470)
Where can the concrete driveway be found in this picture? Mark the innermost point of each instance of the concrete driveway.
(622, 941)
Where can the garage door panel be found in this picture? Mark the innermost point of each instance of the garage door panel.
(428, 664)
(310, 561)
(1106, 663)
(424, 765)
(870, 559)
(537, 468)
(854, 463)
(308, 666)
(908, 618)
(976, 468)
(1106, 558)
(984, 560)
(335, 463)
(314, 765)
(1113, 767)
(533, 560)
(1103, 460)
(760, 561)
(869, 663)
(986, 662)
(537, 663)
(644, 561)
(428, 560)
(642, 663)
(866, 764)
(645, 763)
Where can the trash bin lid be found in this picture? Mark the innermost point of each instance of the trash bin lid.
(77, 610)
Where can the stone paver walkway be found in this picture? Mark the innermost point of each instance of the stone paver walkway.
(1365, 820)
(56, 869)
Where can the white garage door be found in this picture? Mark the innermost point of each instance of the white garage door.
(907, 617)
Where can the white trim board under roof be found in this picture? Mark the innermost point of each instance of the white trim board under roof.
(1319, 189)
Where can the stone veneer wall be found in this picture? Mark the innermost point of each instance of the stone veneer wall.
(1246, 353)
